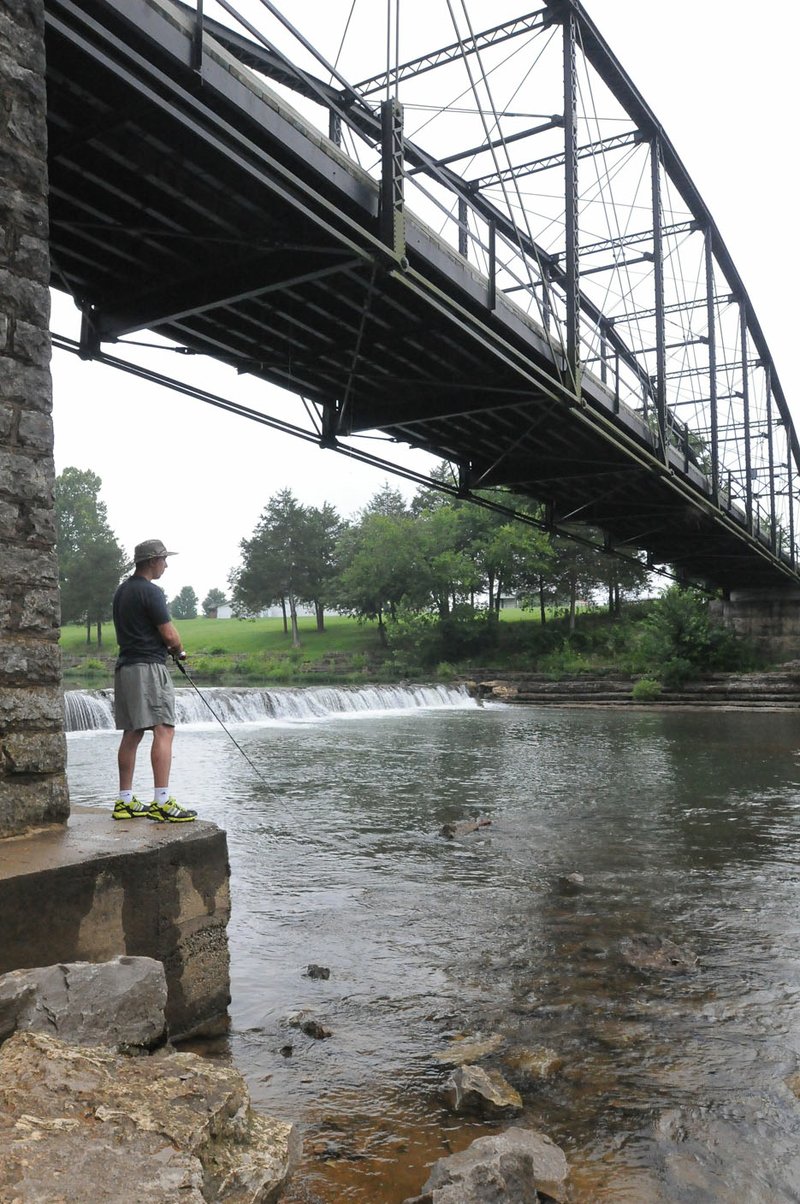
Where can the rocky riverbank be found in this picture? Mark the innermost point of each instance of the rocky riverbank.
(95, 1104)
(777, 690)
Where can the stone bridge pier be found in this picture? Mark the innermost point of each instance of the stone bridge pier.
(33, 788)
(768, 618)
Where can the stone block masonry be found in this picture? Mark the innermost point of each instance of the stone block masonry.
(95, 889)
(33, 788)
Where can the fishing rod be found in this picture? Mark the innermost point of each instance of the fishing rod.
(200, 694)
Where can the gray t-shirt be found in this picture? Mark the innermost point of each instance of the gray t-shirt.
(140, 608)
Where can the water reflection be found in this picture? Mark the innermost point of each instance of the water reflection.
(683, 826)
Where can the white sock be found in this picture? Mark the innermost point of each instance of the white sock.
(126, 796)
(159, 795)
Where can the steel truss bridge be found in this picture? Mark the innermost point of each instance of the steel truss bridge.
(490, 251)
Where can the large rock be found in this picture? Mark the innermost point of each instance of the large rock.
(656, 955)
(470, 1049)
(510, 1168)
(119, 1002)
(80, 1124)
(484, 1092)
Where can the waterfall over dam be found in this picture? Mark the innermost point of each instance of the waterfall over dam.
(93, 710)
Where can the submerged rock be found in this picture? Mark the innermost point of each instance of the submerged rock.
(314, 971)
(512, 1167)
(484, 1092)
(470, 1049)
(570, 884)
(656, 954)
(87, 1123)
(308, 1024)
(534, 1064)
(451, 830)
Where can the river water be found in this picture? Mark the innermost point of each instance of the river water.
(668, 1085)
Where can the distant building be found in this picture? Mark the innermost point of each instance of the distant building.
(272, 612)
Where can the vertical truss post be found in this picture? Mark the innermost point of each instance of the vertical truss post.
(711, 323)
(658, 283)
(331, 414)
(463, 241)
(773, 516)
(748, 505)
(572, 264)
(197, 39)
(335, 127)
(547, 308)
(790, 496)
(491, 298)
(392, 213)
(89, 339)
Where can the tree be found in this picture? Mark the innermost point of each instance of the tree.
(323, 529)
(184, 604)
(575, 571)
(90, 561)
(277, 561)
(387, 501)
(448, 572)
(379, 566)
(622, 578)
(213, 600)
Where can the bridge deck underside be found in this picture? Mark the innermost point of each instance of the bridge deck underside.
(208, 213)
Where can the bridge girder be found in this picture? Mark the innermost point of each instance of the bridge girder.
(167, 152)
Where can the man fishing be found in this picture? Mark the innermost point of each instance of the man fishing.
(144, 696)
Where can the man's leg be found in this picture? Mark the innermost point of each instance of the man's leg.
(126, 757)
(126, 806)
(161, 755)
(163, 807)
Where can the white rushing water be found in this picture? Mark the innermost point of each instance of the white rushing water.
(92, 710)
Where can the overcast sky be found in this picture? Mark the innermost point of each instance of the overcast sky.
(720, 75)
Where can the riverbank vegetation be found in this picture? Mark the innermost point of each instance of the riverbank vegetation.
(434, 588)
(664, 641)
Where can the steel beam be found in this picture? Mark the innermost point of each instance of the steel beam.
(549, 162)
(572, 271)
(392, 206)
(492, 144)
(456, 50)
(711, 320)
(746, 412)
(658, 289)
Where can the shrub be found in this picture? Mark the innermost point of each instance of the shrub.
(646, 689)
(680, 637)
(205, 667)
(565, 661)
(677, 671)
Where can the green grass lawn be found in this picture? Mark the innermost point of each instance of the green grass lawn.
(242, 649)
(238, 636)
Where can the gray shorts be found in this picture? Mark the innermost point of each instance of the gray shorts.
(144, 697)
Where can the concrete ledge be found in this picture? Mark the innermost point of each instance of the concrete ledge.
(94, 888)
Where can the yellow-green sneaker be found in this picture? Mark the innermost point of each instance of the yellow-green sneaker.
(132, 810)
(170, 813)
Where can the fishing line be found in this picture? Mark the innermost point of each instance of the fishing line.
(200, 694)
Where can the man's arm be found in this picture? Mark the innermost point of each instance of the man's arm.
(169, 634)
